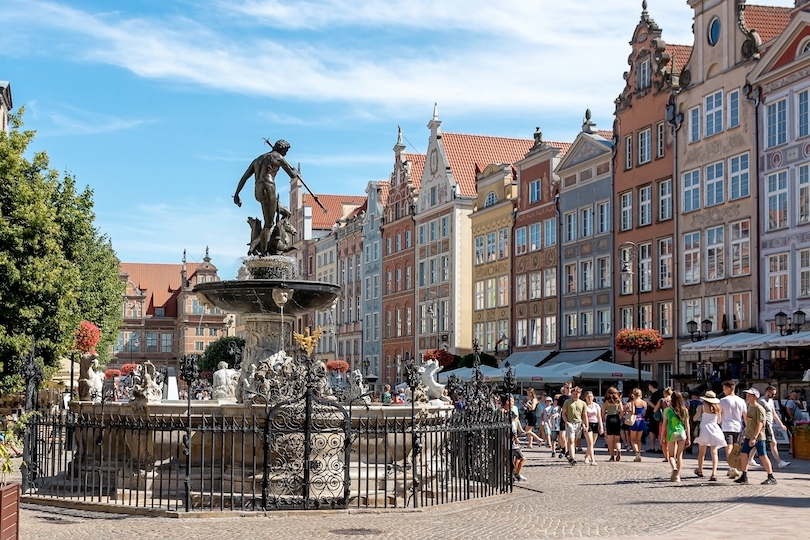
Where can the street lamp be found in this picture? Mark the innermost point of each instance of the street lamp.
(705, 328)
(628, 253)
(432, 313)
(793, 324)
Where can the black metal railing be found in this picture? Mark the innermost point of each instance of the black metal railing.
(259, 461)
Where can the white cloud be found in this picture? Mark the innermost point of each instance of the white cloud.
(160, 232)
(69, 120)
(543, 57)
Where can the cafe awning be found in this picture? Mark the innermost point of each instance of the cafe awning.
(741, 341)
(793, 340)
(532, 358)
(577, 357)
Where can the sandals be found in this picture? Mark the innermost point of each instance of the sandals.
(699, 473)
(712, 478)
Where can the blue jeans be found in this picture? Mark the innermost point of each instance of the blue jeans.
(759, 445)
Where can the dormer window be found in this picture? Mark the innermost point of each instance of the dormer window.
(491, 200)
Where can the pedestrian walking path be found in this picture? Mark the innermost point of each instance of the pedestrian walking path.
(611, 500)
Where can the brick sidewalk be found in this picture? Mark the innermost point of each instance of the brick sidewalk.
(611, 500)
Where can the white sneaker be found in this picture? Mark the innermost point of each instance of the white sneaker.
(593, 463)
(733, 473)
(754, 463)
(520, 478)
(783, 464)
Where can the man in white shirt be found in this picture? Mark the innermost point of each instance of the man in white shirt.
(733, 409)
(772, 418)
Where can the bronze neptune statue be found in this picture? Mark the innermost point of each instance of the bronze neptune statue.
(272, 236)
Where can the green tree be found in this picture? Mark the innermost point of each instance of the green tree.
(221, 351)
(55, 267)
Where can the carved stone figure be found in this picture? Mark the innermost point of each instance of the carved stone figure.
(90, 382)
(357, 387)
(147, 383)
(225, 382)
(433, 389)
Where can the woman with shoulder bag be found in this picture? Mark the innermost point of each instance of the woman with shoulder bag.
(677, 422)
(660, 407)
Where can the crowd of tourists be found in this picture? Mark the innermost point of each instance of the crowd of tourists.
(570, 423)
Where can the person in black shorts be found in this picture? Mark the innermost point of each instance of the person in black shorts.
(653, 424)
(565, 395)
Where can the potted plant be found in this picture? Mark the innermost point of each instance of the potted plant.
(801, 439)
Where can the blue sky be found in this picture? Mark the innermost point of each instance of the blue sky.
(159, 106)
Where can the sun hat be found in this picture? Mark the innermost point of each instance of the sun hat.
(752, 391)
(710, 397)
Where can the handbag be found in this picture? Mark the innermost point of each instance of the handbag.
(734, 459)
(657, 415)
(630, 420)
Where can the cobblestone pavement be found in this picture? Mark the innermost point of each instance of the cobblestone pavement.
(611, 500)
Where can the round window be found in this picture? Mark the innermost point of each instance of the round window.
(714, 32)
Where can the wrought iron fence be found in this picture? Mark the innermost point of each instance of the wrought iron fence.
(267, 459)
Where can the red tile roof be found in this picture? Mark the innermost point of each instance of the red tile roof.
(383, 186)
(563, 146)
(159, 282)
(605, 133)
(469, 154)
(417, 168)
(337, 206)
(680, 55)
(768, 21)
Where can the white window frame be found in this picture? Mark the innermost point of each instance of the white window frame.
(740, 244)
(776, 185)
(739, 177)
(626, 221)
(628, 152)
(777, 266)
(644, 79)
(586, 275)
(665, 199)
(644, 146)
(521, 244)
(804, 273)
(690, 180)
(535, 285)
(665, 311)
(603, 268)
(570, 226)
(691, 254)
(715, 186)
(626, 318)
(645, 262)
(550, 282)
(550, 232)
(660, 140)
(692, 310)
(714, 113)
(803, 113)
(603, 320)
(776, 123)
(479, 250)
(535, 238)
(694, 124)
(586, 215)
(715, 253)
(586, 323)
(521, 288)
(571, 324)
(603, 211)
(665, 263)
(804, 195)
(644, 205)
(733, 104)
(740, 311)
(535, 192)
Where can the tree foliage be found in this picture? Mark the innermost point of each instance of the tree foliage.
(56, 268)
(221, 351)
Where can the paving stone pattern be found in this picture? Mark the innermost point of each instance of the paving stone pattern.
(611, 500)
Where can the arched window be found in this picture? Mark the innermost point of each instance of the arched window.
(491, 199)
(804, 48)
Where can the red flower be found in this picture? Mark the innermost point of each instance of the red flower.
(112, 373)
(87, 336)
(642, 340)
(445, 358)
(127, 369)
(338, 365)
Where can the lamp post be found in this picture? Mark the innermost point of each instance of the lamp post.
(628, 254)
(705, 328)
(432, 313)
(793, 324)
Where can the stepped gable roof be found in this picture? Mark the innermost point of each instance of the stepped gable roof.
(336, 206)
(160, 283)
(417, 168)
(470, 154)
(679, 54)
(768, 21)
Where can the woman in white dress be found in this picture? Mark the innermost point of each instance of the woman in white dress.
(711, 434)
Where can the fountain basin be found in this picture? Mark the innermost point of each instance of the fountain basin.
(255, 296)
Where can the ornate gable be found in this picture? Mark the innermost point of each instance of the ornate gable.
(787, 58)
(585, 148)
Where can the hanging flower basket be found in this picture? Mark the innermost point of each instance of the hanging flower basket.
(128, 369)
(112, 373)
(341, 366)
(87, 336)
(641, 340)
